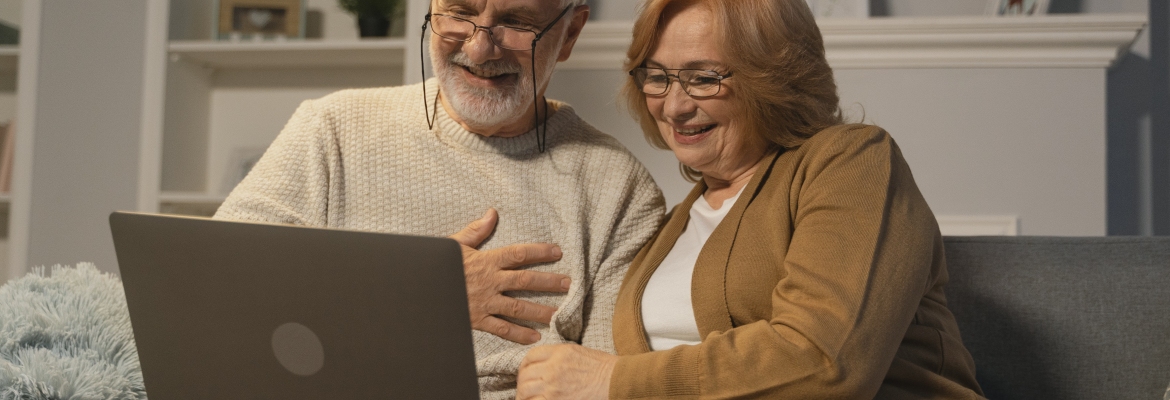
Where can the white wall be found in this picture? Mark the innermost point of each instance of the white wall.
(1065, 183)
(613, 10)
(1038, 141)
(87, 118)
(10, 12)
(1023, 142)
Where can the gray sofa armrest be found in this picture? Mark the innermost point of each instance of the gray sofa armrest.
(1064, 317)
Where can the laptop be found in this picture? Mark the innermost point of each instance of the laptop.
(257, 311)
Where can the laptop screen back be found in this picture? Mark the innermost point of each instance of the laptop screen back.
(239, 310)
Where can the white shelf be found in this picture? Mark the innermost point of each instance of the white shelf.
(192, 198)
(8, 57)
(1055, 41)
(189, 203)
(290, 54)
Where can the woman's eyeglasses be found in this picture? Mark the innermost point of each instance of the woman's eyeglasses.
(695, 82)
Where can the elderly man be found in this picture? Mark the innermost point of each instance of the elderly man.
(546, 191)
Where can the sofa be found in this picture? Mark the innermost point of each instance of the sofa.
(1064, 317)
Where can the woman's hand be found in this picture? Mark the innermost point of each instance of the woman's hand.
(565, 371)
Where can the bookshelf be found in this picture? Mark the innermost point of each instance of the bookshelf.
(225, 101)
(9, 54)
(219, 55)
(9, 61)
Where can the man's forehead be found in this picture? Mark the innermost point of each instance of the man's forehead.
(537, 7)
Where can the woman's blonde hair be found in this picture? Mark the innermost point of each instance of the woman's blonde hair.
(784, 87)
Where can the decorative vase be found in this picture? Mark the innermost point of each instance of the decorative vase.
(373, 25)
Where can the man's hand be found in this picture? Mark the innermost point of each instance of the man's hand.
(490, 273)
(565, 371)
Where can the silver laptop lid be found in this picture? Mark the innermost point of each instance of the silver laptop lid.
(255, 311)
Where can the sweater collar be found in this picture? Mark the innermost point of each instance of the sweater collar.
(453, 134)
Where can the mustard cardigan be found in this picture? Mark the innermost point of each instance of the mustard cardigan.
(824, 281)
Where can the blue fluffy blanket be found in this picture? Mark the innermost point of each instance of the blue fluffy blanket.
(67, 336)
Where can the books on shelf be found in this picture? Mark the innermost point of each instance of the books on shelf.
(7, 149)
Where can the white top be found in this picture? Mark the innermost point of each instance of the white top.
(667, 313)
(365, 159)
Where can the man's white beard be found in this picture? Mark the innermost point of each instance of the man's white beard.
(480, 107)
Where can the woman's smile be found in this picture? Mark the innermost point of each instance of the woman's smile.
(692, 134)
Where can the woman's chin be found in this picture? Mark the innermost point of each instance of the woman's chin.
(690, 159)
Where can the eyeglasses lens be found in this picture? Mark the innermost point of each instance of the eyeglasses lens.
(697, 83)
(462, 30)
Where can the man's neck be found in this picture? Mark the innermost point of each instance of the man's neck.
(515, 127)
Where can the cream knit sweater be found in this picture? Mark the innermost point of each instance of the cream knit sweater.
(364, 159)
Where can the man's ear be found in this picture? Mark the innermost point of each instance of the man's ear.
(580, 15)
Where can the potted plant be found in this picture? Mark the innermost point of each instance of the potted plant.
(373, 16)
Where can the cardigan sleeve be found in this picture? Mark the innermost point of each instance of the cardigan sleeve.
(859, 261)
(292, 181)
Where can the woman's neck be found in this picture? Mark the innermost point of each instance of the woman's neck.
(725, 186)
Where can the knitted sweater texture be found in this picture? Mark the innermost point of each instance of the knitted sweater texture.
(365, 159)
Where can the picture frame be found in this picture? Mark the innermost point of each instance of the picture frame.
(839, 8)
(1018, 8)
(259, 18)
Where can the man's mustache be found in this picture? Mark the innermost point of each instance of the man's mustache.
(491, 67)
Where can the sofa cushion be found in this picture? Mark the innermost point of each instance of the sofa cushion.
(1064, 317)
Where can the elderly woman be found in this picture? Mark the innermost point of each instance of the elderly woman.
(804, 264)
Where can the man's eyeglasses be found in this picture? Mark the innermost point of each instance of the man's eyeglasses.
(461, 30)
(506, 37)
(695, 82)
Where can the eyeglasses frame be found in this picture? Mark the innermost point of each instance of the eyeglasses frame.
(716, 75)
(541, 137)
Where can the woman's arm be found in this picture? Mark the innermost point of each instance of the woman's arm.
(861, 257)
(859, 261)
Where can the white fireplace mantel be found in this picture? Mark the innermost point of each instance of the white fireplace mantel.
(1059, 41)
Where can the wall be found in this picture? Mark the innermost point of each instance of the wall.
(10, 12)
(1039, 163)
(87, 121)
(1106, 182)
(1074, 185)
(987, 142)
(1136, 165)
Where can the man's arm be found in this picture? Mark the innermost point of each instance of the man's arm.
(291, 183)
(637, 220)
